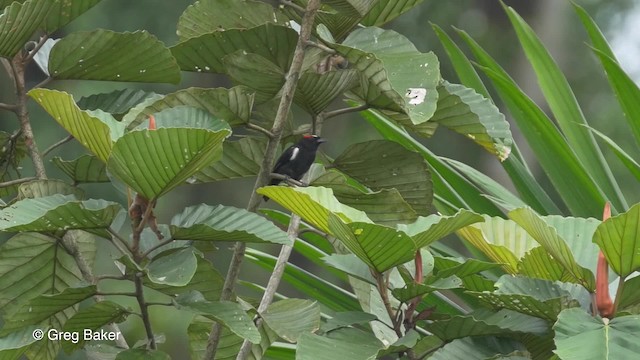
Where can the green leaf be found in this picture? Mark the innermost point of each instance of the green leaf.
(346, 343)
(142, 354)
(350, 264)
(18, 22)
(313, 204)
(229, 314)
(241, 158)
(206, 52)
(581, 336)
(382, 164)
(33, 264)
(466, 112)
(42, 188)
(445, 267)
(551, 240)
(347, 319)
(225, 223)
(16, 341)
(85, 169)
(58, 212)
(427, 230)
(626, 159)
(477, 348)
(630, 293)
(45, 306)
(566, 110)
(574, 184)
(398, 76)
(539, 264)
(351, 7)
(117, 102)
(231, 105)
(413, 290)
(206, 280)
(153, 162)
(291, 318)
(208, 16)
(95, 130)
(501, 323)
(618, 237)
(63, 12)
(385, 11)
(503, 241)
(256, 72)
(107, 55)
(317, 91)
(175, 269)
(93, 318)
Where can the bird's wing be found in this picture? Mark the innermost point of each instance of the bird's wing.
(288, 155)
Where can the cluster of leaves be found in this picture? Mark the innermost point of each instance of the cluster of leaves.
(529, 292)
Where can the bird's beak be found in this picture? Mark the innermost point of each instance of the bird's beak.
(321, 140)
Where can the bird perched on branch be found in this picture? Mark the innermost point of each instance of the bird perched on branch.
(296, 160)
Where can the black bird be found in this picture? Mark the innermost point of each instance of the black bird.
(296, 160)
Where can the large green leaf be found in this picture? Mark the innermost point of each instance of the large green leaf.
(553, 242)
(85, 169)
(566, 110)
(313, 204)
(581, 336)
(231, 105)
(117, 102)
(578, 190)
(206, 280)
(153, 162)
(107, 55)
(466, 112)
(427, 230)
(382, 164)
(95, 130)
(480, 348)
(241, 158)
(44, 306)
(396, 75)
(225, 223)
(386, 10)
(503, 241)
(175, 269)
(316, 91)
(208, 16)
(18, 22)
(58, 212)
(41, 188)
(345, 343)
(205, 53)
(93, 317)
(385, 207)
(618, 238)
(291, 318)
(229, 314)
(256, 72)
(32, 264)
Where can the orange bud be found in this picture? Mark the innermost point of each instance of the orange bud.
(604, 303)
(152, 122)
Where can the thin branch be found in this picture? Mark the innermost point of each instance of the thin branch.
(156, 247)
(321, 46)
(57, 144)
(145, 217)
(16, 181)
(293, 5)
(288, 180)
(259, 128)
(43, 82)
(9, 107)
(118, 241)
(144, 311)
(110, 277)
(18, 66)
(158, 303)
(286, 100)
(338, 112)
(33, 52)
(116, 293)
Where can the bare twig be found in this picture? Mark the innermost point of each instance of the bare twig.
(260, 129)
(293, 5)
(321, 46)
(110, 277)
(156, 247)
(116, 293)
(16, 181)
(288, 179)
(43, 82)
(9, 107)
(118, 241)
(338, 112)
(286, 100)
(57, 144)
(144, 311)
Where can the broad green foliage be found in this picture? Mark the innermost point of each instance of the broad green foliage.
(383, 273)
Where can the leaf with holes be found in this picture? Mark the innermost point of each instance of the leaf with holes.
(108, 55)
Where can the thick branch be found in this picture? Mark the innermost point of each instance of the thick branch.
(288, 90)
